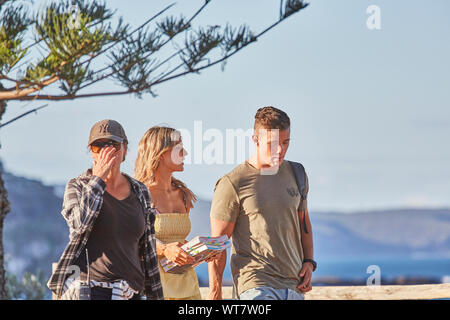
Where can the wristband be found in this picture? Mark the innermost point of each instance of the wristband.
(312, 262)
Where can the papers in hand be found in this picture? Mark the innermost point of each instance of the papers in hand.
(200, 248)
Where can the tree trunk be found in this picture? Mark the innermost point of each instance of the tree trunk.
(4, 209)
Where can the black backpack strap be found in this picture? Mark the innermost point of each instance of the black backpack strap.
(300, 177)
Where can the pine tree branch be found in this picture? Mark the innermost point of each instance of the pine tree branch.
(19, 94)
(23, 115)
(127, 36)
(72, 97)
(291, 7)
(197, 51)
(146, 56)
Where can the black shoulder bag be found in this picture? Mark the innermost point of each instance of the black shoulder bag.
(300, 177)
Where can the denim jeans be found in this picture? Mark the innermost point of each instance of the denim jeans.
(268, 293)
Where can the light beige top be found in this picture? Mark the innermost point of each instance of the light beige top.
(174, 227)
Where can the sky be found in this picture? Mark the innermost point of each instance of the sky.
(369, 109)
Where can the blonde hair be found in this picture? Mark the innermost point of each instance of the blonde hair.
(153, 144)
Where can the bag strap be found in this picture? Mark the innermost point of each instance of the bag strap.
(300, 177)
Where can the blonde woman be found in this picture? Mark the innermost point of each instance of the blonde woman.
(160, 153)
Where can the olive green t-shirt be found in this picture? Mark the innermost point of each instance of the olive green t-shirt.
(267, 248)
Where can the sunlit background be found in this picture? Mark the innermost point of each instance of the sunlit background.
(370, 114)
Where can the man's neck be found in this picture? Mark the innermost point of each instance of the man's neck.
(255, 162)
(264, 168)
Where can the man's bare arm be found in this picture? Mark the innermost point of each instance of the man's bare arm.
(307, 238)
(308, 252)
(217, 266)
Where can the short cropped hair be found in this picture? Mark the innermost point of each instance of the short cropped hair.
(271, 118)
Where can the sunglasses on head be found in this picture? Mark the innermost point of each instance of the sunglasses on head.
(97, 146)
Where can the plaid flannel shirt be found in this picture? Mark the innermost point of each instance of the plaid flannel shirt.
(83, 199)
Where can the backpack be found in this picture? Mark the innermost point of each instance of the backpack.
(300, 177)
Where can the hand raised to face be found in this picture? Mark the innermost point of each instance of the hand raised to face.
(105, 161)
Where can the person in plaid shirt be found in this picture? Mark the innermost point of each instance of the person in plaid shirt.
(109, 214)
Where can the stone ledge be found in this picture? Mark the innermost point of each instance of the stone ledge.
(399, 292)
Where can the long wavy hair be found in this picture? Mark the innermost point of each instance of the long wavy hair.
(153, 144)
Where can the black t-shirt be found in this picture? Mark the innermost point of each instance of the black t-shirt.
(113, 245)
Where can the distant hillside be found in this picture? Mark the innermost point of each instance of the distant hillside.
(35, 233)
(394, 233)
(416, 233)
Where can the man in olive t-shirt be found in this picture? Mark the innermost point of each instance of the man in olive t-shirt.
(259, 205)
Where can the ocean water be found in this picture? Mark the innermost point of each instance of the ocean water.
(388, 267)
(354, 268)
